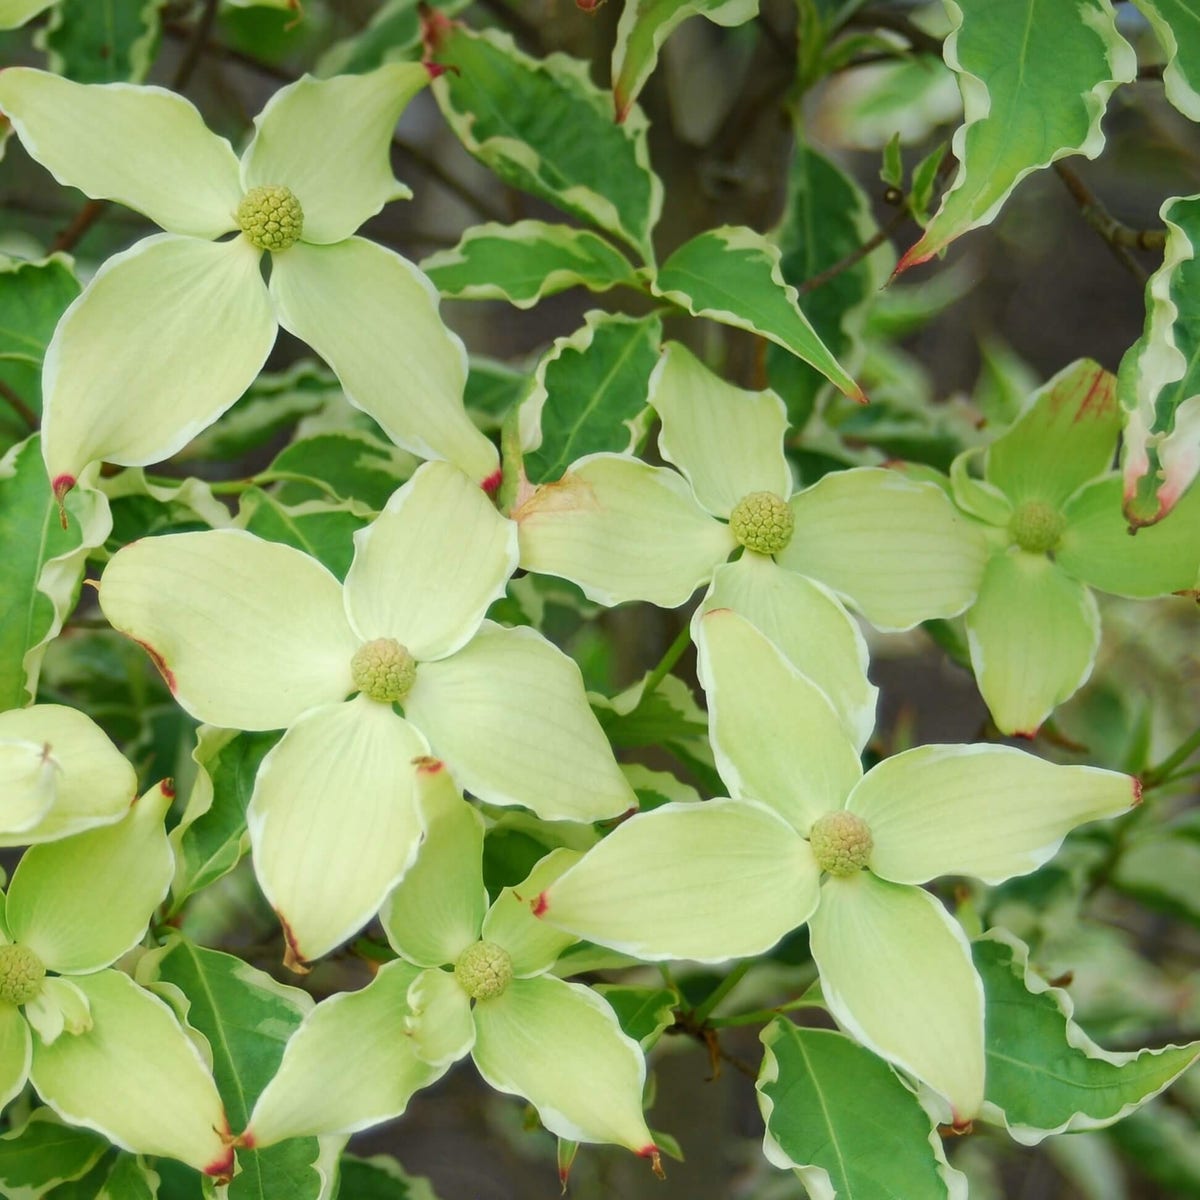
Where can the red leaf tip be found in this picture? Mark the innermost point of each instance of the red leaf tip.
(1137, 791)
(652, 1153)
(426, 764)
(492, 483)
(62, 484)
(221, 1169)
(539, 904)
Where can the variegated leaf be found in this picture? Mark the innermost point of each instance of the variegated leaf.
(1177, 23)
(102, 41)
(1035, 77)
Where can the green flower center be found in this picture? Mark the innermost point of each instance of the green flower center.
(21, 974)
(762, 522)
(1037, 527)
(841, 843)
(271, 217)
(383, 670)
(484, 970)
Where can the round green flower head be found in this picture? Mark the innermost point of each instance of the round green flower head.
(841, 843)
(1037, 527)
(271, 217)
(484, 970)
(21, 974)
(762, 522)
(383, 670)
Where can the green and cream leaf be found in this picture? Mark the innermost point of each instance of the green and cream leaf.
(1177, 24)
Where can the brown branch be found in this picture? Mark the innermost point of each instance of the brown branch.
(881, 235)
(18, 405)
(1117, 236)
(196, 46)
(83, 220)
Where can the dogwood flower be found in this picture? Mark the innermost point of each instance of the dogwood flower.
(1051, 507)
(623, 530)
(255, 635)
(169, 333)
(101, 1051)
(471, 980)
(59, 775)
(807, 836)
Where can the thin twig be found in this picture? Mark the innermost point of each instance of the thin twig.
(196, 46)
(881, 235)
(82, 221)
(1117, 236)
(18, 405)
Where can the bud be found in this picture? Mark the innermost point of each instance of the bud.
(484, 970)
(21, 974)
(1037, 527)
(383, 670)
(841, 843)
(762, 522)
(271, 217)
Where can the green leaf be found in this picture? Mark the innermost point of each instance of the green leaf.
(141, 506)
(1035, 79)
(321, 529)
(1161, 870)
(842, 1119)
(380, 1178)
(1044, 1074)
(351, 464)
(734, 275)
(247, 1018)
(1159, 379)
(521, 263)
(33, 295)
(130, 1179)
(43, 1152)
(544, 127)
(392, 35)
(1177, 24)
(211, 837)
(646, 24)
(588, 392)
(643, 1012)
(826, 218)
(102, 41)
(43, 564)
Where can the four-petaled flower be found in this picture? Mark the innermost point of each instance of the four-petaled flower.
(170, 333)
(808, 837)
(255, 635)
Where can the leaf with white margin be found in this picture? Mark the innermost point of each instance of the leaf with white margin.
(646, 24)
(175, 501)
(826, 218)
(1033, 635)
(113, 143)
(1159, 377)
(211, 837)
(333, 822)
(43, 564)
(1035, 80)
(1065, 436)
(79, 904)
(1178, 28)
(248, 634)
(42, 1152)
(841, 1119)
(533, 945)
(581, 162)
(131, 1178)
(509, 715)
(589, 393)
(776, 737)
(165, 337)
(929, 1018)
(1045, 1075)
(525, 262)
(622, 530)
(437, 909)
(93, 783)
(136, 1077)
(351, 118)
(727, 441)
(392, 34)
(347, 1067)
(14, 13)
(380, 1177)
(988, 811)
(427, 569)
(33, 296)
(644, 1013)
(320, 528)
(896, 549)
(368, 313)
(559, 1046)
(713, 881)
(809, 626)
(732, 275)
(246, 1017)
(102, 41)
